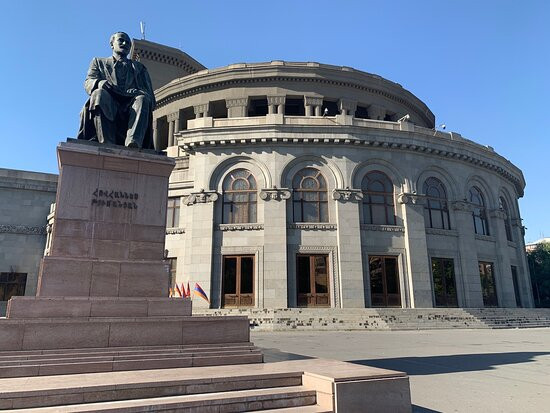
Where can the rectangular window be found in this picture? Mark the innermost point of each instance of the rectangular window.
(488, 285)
(12, 283)
(516, 285)
(443, 274)
(173, 213)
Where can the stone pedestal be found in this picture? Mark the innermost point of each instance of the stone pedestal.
(104, 276)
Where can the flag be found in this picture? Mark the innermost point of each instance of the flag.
(188, 290)
(170, 292)
(178, 290)
(183, 290)
(200, 292)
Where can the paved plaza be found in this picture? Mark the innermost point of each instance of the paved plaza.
(450, 370)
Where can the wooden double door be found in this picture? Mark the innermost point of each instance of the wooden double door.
(384, 281)
(312, 280)
(238, 281)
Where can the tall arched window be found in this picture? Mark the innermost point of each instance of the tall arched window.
(239, 197)
(378, 206)
(436, 209)
(479, 213)
(507, 225)
(310, 196)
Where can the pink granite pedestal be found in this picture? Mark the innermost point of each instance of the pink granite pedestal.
(104, 282)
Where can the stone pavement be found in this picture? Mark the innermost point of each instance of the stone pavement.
(450, 370)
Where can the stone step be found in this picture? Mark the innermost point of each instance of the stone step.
(235, 401)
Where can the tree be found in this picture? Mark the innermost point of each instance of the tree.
(539, 266)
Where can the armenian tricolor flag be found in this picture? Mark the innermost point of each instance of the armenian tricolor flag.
(178, 291)
(200, 292)
(188, 290)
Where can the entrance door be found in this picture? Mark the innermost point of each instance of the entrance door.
(443, 274)
(488, 285)
(312, 281)
(238, 281)
(384, 282)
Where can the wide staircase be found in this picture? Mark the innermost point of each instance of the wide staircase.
(387, 318)
(266, 392)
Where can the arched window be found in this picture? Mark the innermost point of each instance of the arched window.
(436, 209)
(239, 197)
(310, 197)
(378, 207)
(479, 213)
(507, 225)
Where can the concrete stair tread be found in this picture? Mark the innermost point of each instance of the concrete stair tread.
(298, 409)
(257, 399)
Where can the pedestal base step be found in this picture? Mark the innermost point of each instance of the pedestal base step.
(71, 361)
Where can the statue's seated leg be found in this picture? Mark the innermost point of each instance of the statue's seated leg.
(138, 121)
(104, 109)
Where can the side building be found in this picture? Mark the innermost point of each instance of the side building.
(25, 201)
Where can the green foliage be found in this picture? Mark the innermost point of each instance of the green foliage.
(539, 266)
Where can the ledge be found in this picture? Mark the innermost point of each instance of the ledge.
(485, 238)
(173, 231)
(240, 227)
(382, 228)
(439, 231)
(317, 226)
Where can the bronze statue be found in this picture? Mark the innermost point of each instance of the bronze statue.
(119, 110)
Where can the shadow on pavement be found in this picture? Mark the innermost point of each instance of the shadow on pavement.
(272, 355)
(420, 409)
(418, 366)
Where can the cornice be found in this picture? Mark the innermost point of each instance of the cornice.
(382, 228)
(201, 197)
(276, 194)
(438, 231)
(23, 229)
(357, 136)
(347, 195)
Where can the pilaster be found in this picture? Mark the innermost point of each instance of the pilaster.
(275, 285)
(275, 105)
(202, 110)
(313, 105)
(503, 273)
(350, 262)
(468, 255)
(524, 277)
(418, 266)
(236, 108)
(173, 127)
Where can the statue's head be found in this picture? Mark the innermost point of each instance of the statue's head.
(120, 43)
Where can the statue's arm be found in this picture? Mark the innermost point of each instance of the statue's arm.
(94, 78)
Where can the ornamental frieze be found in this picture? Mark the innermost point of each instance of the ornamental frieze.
(464, 206)
(23, 229)
(275, 194)
(347, 195)
(438, 231)
(382, 228)
(201, 197)
(240, 227)
(318, 226)
(174, 231)
(497, 213)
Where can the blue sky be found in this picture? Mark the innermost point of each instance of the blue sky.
(481, 66)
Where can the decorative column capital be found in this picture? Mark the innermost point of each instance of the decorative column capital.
(201, 109)
(497, 213)
(313, 100)
(276, 100)
(348, 106)
(516, 222)
(201, 197)
(412, 199)
(173, 116)
(275, 194)
(347, 195)
(231, 103)
(464, 206)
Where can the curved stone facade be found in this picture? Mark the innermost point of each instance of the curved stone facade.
(305, 184)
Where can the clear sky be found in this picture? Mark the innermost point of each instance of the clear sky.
(483, 67)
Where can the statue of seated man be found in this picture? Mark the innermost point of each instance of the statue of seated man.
(119, 110)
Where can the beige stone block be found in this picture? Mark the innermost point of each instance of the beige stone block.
(75, 192)
(146, 250)
(105, 279)
(390, 394)
(153, 192)
(151, 333)
(119, 308)
(79, 159)
(121, 164)
(64, 277)
(143, 280)
(211, 330)
(43, 307)
(11, 336)
(108, 249)
(53, 335)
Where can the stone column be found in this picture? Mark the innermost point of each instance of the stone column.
(156, 142)
(275, 292)
(173, 127)
(236, 108)
(313, 105)
(347, 107)
(503, 270)
(418, 265)
(524, 277)
(199, 232)
(471, 282)
(350, 261)
(376, 112)
(275, 104)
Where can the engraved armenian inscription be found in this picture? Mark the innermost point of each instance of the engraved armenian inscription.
(114, 199)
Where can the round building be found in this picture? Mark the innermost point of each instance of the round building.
(310, 185)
